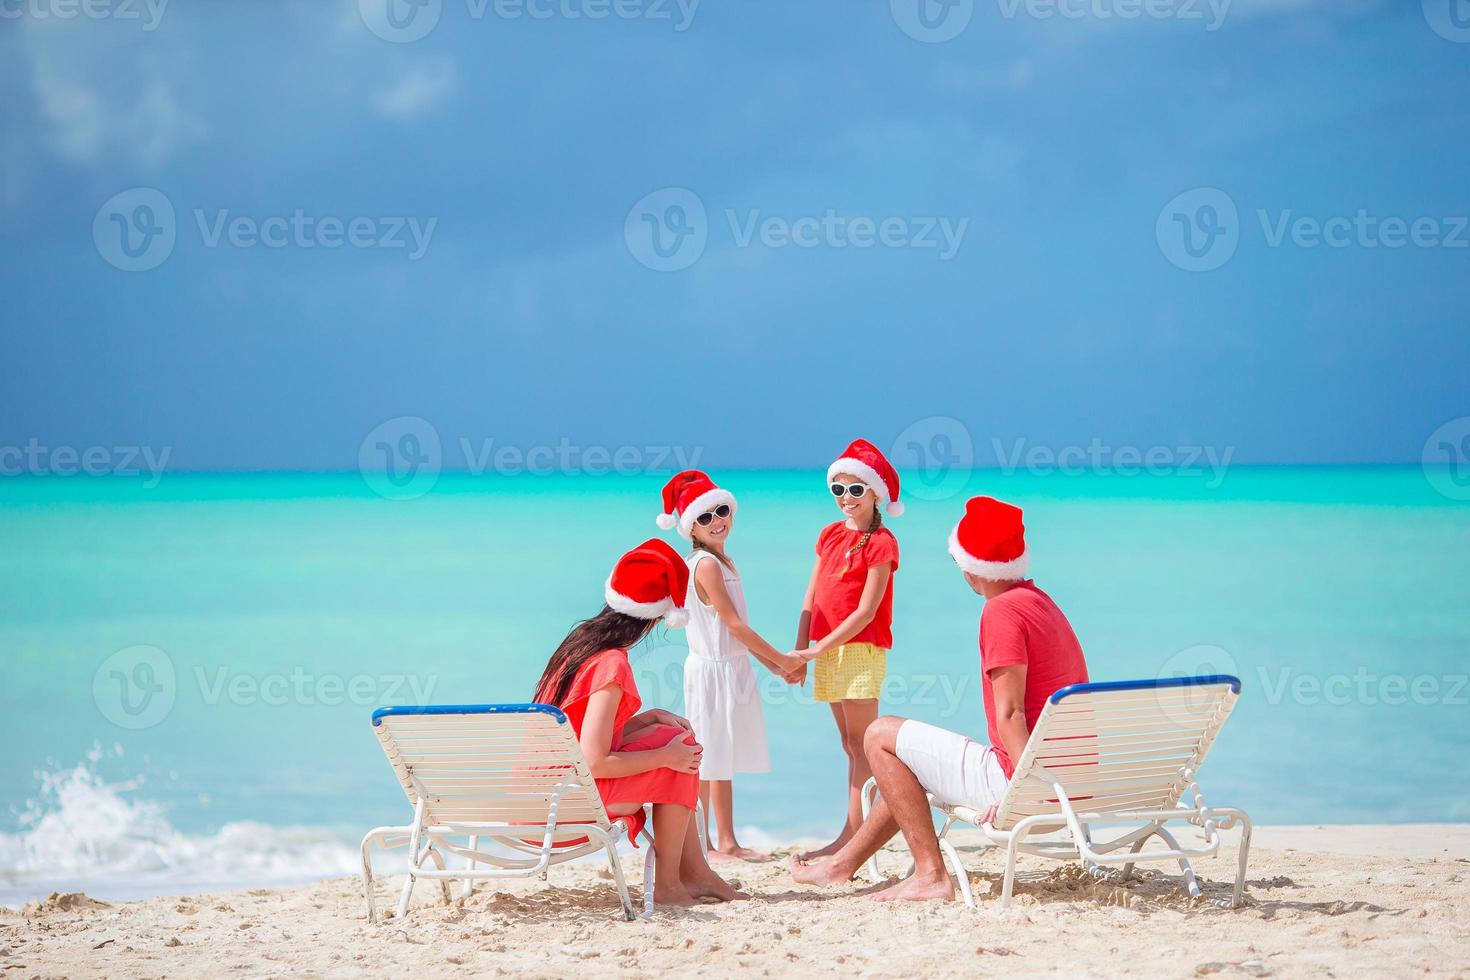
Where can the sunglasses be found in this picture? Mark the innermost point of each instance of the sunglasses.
(722, 512)
(856, 489)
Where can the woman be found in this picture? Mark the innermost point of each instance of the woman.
(635, 758)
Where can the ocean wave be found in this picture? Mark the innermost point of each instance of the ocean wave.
(83, 833)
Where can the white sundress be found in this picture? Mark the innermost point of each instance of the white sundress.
(720, 694)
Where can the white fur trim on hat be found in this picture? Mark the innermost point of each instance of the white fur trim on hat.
(703, 504)
(634, 608)
(997, 571)
(869, 476)
(665, 521)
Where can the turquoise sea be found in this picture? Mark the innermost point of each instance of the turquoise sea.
(190, 667)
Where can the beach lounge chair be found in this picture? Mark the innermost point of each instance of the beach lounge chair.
(511, 775)
(1107, 767)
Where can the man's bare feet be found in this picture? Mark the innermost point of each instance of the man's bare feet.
(918, 889)
(737, 853)
(816, 872)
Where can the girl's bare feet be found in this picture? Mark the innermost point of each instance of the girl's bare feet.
(916, 888)
(826, 851)
(737, 853)
(816, 872)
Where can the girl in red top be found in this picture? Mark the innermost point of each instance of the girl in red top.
(847, 619)
(636, 758)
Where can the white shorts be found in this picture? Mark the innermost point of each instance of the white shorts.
(955, 769)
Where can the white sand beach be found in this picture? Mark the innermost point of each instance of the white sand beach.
(1361, 901)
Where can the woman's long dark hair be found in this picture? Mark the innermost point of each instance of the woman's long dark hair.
(607, 630)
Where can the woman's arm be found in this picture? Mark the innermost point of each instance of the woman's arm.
(873, 589)
(596, 741)
(710, 583)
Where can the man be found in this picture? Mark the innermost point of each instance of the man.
(1027, 652)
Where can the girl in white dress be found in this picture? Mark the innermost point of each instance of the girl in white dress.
(721, 698)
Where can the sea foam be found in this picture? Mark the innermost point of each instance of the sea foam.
(83, 833)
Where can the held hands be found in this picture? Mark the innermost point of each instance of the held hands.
(792, 669)
(808, 654)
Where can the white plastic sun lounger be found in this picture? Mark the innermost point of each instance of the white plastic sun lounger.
(506, 774)
(1119, 755)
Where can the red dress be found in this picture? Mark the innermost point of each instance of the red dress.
(654, 786)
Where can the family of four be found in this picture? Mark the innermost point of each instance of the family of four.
(1027, 651)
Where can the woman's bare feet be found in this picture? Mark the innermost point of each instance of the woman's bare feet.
(679, 896)
(916, 888)
(737, 853)
(816, 872)
(711, 886)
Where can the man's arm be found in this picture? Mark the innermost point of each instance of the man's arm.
(1009, 687)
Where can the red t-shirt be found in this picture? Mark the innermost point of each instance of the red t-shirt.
(840, 582)
(1024, 626)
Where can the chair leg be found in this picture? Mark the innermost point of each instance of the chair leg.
(617, 871)
(1010, 879)
(438, 863)
(367, 877)
(648, 860)
(469, 883)
(403, 897)
(1191, 883)
(868, 796)
(953, 856)
(1245, 849)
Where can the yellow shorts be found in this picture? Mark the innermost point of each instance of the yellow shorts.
(852, 672)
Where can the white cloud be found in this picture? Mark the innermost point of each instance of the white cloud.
(103, 95)
(417, 92)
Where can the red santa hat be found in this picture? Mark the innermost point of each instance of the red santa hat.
(863, 460)
(686, 496)
(650, 582)
(990, 541)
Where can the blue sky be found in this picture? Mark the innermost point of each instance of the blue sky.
(1054, 149)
